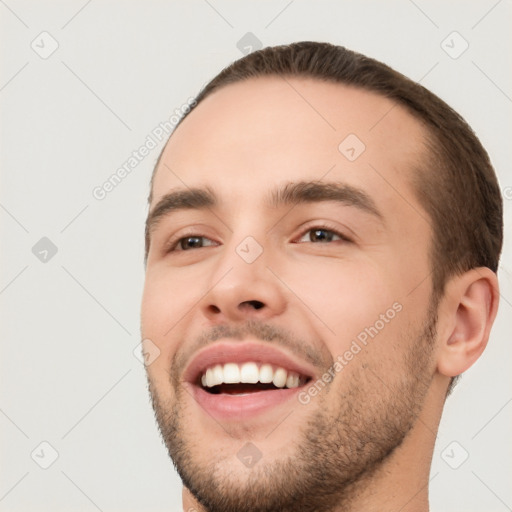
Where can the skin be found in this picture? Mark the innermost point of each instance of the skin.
(370, 433)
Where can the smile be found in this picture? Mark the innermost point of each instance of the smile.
(241, 380)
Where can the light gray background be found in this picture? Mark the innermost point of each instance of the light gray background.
(70, 325)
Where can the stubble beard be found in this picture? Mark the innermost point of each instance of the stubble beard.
(338, 450)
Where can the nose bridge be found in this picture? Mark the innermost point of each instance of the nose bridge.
(243, 261)
(242, 285)
(246, 251)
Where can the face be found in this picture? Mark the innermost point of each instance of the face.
(287, 293)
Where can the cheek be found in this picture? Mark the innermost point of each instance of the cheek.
(165, 304)
(345, 296)
(167, 297)
(155, 307)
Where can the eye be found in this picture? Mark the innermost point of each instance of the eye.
(322, 234)
(187, 243)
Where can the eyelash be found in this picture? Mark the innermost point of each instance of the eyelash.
(173, 243)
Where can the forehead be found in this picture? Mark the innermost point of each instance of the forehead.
(249, 136)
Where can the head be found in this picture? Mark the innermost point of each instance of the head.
(321, 213)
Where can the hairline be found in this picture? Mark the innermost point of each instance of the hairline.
(428, 130)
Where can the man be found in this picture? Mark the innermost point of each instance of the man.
(322, 246)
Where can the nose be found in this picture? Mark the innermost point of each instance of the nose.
(240, 291)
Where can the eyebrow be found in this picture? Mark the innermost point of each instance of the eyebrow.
(295, 193)
(291, 194)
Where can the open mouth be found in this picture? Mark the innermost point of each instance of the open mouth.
(242, 380)
(249, 377)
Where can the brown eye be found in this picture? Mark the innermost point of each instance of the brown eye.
(321, 235)
(190, 242)
(187, 243)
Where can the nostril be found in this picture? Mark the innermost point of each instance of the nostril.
(256, 304)
(214, 309)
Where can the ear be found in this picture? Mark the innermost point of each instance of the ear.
(468, 311)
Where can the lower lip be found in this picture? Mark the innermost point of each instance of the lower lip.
(224, 406)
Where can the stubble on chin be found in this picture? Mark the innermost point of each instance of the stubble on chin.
(338, 448)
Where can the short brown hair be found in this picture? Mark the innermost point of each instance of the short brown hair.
(456, 185)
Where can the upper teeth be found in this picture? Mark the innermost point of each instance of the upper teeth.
(251, 373)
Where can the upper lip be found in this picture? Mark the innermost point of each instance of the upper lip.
(242, 352)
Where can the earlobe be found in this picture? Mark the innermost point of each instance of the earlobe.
(472, 306)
